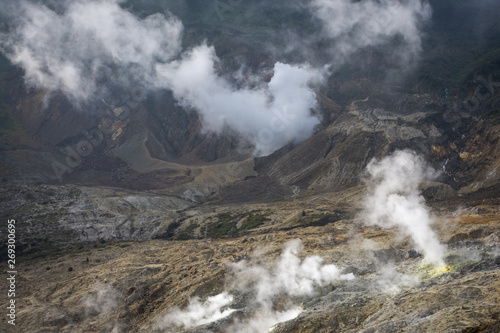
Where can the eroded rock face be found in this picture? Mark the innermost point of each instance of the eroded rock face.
(433, 309)
(133, 285)
(129, 208)
(335, 158)
(60, 215)
(159, 145)
(308, 191)
(438, 191)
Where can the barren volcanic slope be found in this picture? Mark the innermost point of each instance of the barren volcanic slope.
(250, 166)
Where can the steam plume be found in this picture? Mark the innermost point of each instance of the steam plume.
(70, 50)
(198, 313)
(394, 200)
(289, 275)
(86, 48)
(104, 300)
(286, 276)
(263, 283)
(391, 281)
(353, 25)
(269, 116)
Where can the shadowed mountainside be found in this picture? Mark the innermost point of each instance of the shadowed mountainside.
(126, 207)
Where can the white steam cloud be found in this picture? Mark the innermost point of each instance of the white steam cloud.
(198, 313)
(270, 116)
(353, 25)
(263, 283)
(388, 279)
(75, 49)
(69, 51)
(263, 322)
(86, 48)
(391, 281)
(287, 276)
(102, 301)
(394, 200)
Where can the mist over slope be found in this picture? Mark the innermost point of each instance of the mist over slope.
(252, 166)
(268, 75)
(84, 50)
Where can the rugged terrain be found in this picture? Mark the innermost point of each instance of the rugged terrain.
(99, 284)
(127, 209)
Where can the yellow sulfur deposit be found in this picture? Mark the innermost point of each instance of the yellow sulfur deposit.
(441, 270)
